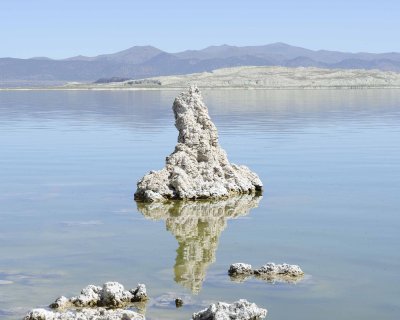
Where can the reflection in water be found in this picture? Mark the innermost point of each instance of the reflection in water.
(197, 226)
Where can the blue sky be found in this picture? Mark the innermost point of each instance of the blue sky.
(59, 29)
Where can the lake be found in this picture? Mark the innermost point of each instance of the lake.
(329, 161)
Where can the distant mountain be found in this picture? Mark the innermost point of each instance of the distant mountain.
(134, 55)
(147, 61)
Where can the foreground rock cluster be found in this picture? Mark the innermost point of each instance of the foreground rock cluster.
(198, 168)
(95, 303)
(111, 302)
(84, 314)
(270, 272)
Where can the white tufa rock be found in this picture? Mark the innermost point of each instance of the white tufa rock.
(61, 303)
(239, 310)
(140, 293)
(84, 314)
(284, 269)
(112, 295)
(270, 272)
(240, 269)
(88, 298)
(198, 168)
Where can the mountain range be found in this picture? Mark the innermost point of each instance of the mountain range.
(147, 61)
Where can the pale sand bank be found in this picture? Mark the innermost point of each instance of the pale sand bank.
(252, 78)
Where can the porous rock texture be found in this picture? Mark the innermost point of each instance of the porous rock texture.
(84, 314)
(111, 294)
(285, 269)
(239, 310)
(91, 304)
(271, 272)
(240, 268)
(198, 168)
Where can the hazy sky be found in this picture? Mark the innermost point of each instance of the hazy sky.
(63, 28)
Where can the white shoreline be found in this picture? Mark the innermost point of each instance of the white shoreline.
(246, 78)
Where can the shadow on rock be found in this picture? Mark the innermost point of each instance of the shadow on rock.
(197, 226)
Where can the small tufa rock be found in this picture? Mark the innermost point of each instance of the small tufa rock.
(178, 302)
(198, 168)
(272, 272)
(240, 269)
(140, 293)
(89, 297)
(239, 310)
(60, 303)
(279, 269)
(84, 314)
(111, 295)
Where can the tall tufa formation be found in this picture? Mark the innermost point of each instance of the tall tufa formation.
(198, 168)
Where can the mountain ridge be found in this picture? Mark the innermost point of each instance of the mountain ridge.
(147, 61)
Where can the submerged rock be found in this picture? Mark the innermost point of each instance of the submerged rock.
(239, 310)
(271, 272)
(198, 168)
(84, 314)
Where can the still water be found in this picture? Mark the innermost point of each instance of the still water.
(329, 160)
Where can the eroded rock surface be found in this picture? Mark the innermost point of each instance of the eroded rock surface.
(111, 294)
(198, 168)
(84, 314)
(239, 310)
(271, 272)
(95, 303)
(285, 269)
(197, 226)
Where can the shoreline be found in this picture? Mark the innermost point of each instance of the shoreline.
(201, 87)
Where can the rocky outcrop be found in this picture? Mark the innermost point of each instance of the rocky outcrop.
(91, 304)
(198, 168)
(239, 310)
(84, 314)
(270, 272)
(111, 295)
(197, 226)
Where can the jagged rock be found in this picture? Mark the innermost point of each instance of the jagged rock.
(271, 272)
(84, 314)
(88, 298)
(240, 269)
(197, 226)
(198, 168)
(239, 310)
(140, 293)
(112, 295)
(61, 303)
(279, 269)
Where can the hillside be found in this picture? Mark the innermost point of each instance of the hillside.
(147, 61)
(264, 77)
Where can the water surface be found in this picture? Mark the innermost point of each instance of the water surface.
(329, 160)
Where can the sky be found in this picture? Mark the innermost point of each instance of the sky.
(65, 28)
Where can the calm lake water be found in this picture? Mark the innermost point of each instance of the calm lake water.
(329, 160)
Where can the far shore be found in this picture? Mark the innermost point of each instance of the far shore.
(89, 88)
(250, 78)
